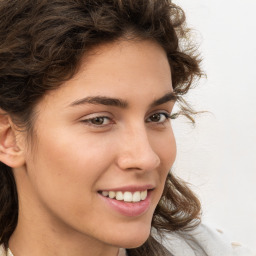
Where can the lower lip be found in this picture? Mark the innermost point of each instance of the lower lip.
(129, 209)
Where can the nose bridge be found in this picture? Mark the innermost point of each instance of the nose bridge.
(136, 151)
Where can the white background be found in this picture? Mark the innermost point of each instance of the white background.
(218, 156)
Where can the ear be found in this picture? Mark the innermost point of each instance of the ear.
(10, 152)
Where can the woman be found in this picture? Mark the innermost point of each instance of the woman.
(87, 90)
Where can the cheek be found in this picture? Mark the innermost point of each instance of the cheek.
(75, 159)
(167, 151)
(66, 166)
(64, 175)
(165, 147)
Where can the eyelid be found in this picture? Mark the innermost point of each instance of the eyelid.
(93, 118)
(160, 112)
(89, 118)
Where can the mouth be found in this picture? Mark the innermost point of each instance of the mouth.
(126, 196)
(129, 201)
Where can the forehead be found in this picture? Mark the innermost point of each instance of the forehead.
(120, 69)
(126, 57)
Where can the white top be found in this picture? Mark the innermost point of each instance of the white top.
(201, 241)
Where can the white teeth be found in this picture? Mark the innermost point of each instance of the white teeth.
(105, 193)
(136, 197)
(126, 196)
(143, 195)
(119, 196)
(112, 194)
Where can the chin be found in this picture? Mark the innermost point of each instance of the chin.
(135, 244)
(133, 239)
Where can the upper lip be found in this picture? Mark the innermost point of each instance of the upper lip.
(130, 188)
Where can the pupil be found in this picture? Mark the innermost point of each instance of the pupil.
(155, 117)
(98, 120)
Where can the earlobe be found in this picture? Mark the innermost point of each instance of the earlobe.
(10, 152)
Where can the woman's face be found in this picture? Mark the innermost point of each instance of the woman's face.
(106, 129)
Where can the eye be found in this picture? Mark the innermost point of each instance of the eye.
(98, 121)
(158, 118)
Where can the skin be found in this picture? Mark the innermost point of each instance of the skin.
(74, 155)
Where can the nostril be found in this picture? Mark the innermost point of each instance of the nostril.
(136, 152)
(140, 163)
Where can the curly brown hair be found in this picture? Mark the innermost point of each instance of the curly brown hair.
(42, 43)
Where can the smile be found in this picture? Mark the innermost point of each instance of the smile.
(131, 203)
(126, 196)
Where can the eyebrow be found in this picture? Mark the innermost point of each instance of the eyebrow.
(108, 101)
(101, 100)
(171, 96)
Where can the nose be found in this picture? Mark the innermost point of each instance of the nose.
(136, 152)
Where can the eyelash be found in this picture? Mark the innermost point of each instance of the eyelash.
(167, 116)
(89, 121)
